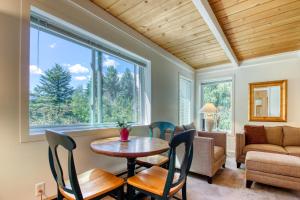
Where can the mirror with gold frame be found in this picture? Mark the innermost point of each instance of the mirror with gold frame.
(268, 101)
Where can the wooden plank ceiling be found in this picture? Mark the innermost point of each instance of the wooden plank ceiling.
(175, 25)
(253, 28)
(257, 28)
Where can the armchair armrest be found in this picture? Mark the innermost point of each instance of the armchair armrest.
(239, 144)
(203, 155)
(219, 138)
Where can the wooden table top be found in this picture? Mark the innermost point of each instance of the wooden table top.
(135, 147)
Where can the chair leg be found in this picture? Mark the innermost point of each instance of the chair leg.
(59, 195)
(209, 179)
(248, 184)
(184, 192)
(120, 193)
(238, 164)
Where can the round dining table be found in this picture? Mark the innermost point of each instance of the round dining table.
(133, 148)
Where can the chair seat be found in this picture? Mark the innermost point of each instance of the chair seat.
(94, 183)
(153, 180)
(156, 160)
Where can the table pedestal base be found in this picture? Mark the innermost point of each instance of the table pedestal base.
(131, 168)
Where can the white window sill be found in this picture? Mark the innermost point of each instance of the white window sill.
(37, 135)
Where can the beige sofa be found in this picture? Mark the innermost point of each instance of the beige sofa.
(280, 140)
(209, 154)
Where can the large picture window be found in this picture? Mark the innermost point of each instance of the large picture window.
(74, 83)
(220, 94)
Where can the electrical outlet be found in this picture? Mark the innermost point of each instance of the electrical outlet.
(40, 189)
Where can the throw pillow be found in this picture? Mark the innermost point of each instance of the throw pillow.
(291, 136)
(255, 134)
(189, 126)
(178, 129)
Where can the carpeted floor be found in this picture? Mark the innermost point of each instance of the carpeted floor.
(228, 184)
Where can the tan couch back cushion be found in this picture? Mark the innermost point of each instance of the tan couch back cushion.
(291, 136)
(274, 135)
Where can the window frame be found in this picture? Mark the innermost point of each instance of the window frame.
(181, 76)
(216, 80)
(24, 78)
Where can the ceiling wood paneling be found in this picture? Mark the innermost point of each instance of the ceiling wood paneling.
(175, 25)
(257, 28)
(253, 28)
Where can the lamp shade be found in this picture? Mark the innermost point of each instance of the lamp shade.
(208, 108)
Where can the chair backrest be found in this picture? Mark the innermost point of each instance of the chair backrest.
(163, 127)
(186, 138)
(55, 140)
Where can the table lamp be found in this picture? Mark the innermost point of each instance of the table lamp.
(209, 111)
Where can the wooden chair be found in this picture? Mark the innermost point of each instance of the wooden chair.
(161, 183)
(157, 160)
(91, 185)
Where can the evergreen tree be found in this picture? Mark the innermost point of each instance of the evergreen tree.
(126, 97)
(80, 105)
(111, 85)
(127, 84)
(54, 94)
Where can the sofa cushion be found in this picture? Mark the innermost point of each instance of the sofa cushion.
(255, 134)
(218, 152)
(293, 150)
(272, 163)
(291, 136)
(274, 135)
(271, 148)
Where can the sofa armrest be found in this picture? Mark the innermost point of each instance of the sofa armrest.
(239, 144)
(219, 138)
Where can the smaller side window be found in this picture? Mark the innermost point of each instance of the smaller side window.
(185, 100)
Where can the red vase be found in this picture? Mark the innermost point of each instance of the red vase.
(124, 133)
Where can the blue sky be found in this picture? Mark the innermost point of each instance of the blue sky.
(74, 57)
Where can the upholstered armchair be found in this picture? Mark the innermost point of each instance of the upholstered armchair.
(209, 154)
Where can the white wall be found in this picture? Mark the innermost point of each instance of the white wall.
(285, 69)
(277, 67)
(24, 164)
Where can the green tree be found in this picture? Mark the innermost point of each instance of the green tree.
(220, 95)
(111, 85)
(118, 95)
(52, 97)
(80, 105)
(127, 84)
(126, 98)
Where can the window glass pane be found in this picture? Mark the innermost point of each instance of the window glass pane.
(76, 85)
(219, 93)
(120, 90)
(60, 78)
(185, 97)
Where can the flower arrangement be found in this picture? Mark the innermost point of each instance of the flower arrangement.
(125, 128)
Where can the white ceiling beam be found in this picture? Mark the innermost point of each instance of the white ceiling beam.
(209, 17)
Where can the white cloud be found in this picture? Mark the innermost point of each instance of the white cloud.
(110, 62)
(80, 78)
(35, 70)
(66, 65)
(78, 68)
(52, 46)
